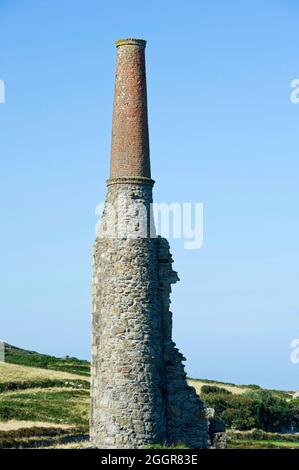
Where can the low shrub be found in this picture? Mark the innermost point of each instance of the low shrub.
(23, 357)
(42, 383)
(214, 389)
(254, 409)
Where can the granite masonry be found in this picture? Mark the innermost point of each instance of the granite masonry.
(140, 395)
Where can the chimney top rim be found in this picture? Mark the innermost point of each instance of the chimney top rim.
(130, 42)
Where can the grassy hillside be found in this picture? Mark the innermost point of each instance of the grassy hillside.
(23, 357)
(22, 375)
(44, 402)
(237, 389)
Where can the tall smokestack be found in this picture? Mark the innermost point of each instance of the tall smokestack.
(139, 393)
(130, 140)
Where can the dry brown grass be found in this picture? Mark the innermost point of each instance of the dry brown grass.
(14, 425)
(17, 373)
(197, 384)
(70, 445)
(35, 390)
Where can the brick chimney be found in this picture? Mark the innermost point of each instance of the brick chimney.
(139, 392)
(130, 157)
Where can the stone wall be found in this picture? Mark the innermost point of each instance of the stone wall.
(127, 364)
(185, 413)
(139, 391)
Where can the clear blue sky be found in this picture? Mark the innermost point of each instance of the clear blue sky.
(223, 132)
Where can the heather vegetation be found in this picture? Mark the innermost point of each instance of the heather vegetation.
(44, 402)
(259, 409)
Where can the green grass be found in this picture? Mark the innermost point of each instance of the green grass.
(34, 436)
(42, 383)
(23, 357)
(54, 406)
(236, 388)
(258, 439)
(46, 391)
(263, 444)
(161, 446)
(39, 438)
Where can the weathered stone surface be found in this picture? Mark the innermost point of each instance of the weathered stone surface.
(139, 387)
(216, 425)
(219, 440)
(139, 395)
(127, 387)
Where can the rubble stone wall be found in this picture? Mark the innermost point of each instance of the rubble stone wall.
(139, 391)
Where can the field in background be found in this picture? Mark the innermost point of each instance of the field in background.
(23, 357)
(44, 400)
(18, 374)
(236, 389)
(44, 403)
